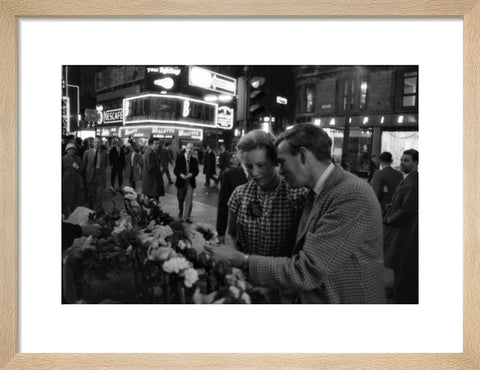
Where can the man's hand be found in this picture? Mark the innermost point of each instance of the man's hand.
(93, 230)
(227, 254)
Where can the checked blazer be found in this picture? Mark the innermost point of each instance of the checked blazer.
(338, 258)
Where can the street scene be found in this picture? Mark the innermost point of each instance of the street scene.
(239, 184)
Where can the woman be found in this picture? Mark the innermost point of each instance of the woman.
(263, 213)
(72, 184)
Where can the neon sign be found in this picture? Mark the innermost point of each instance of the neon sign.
(169, 109)
(201, 77)
(167, 132)
(225, 118)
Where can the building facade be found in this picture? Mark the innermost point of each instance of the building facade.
(365, 109)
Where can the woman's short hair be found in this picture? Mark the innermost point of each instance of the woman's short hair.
(309, 136)
(259, 139)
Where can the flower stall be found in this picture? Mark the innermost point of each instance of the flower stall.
(143, 255)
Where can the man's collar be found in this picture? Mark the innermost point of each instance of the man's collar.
(323, 178)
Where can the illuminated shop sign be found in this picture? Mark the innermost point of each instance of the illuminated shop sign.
(66, 113)
(169, 109)
(107, 131)
(201, 77)
(166, 132)
(225, 118)
(113, 115)
(165, 70)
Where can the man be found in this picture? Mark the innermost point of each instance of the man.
(223, 162)
(133, 166)
(385, 181)
(337, 257)
(209, 167)
(165, 160)
(95, 163)
(232, 178)
(186, 169)
(152, 182)
(116, 156)
(401, 224)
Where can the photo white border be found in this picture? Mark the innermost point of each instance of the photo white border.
(262, 328)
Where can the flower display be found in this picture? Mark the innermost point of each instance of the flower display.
(146, 256)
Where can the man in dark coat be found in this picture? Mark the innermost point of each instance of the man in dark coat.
(209, 167)
(232, 178)
(94, 165)
(116, 157)
(385, 181)
(401, 217)
(152, 183)
(165, 159)
(223, 161)
(186, 169)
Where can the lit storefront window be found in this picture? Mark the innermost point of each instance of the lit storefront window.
(396, 142)
(363, 94)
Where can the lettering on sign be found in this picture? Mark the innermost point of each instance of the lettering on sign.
(201, 77)
(225, 117)
(165, 70)
(113, 115)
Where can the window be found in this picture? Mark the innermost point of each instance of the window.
(410, 81)
(309, 96)
(363, 94)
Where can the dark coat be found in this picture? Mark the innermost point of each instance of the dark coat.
(181, 168)
(399, 219)
(88, 161)
(232, 178)
(117, 157)
(209, 167)
(224, 161)
(385, 183)
(152, 182)
(137, 166)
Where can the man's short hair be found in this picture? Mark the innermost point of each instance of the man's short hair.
(386, 157)
(152, 139)
(309, 136)
(258, 139)
(413, 153)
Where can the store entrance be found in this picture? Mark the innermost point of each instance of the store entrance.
(359, 156)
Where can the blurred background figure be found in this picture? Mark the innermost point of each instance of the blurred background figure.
(72, 183)
(133, 167)
(209, 168)
(386, 180)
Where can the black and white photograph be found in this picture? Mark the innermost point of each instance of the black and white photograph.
(239, 184)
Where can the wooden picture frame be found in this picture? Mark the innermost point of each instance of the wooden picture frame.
(11, 9)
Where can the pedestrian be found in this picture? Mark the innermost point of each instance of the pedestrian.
(165, 159)
(95, 164)
(223, 162)
(400, 218)
(209, 167)
(152, 183)
(231, 178)
(337, 256)
(386, 180)
(186, 169)
(133, 167)
(263, 214)
(72, 182)
(116, 156)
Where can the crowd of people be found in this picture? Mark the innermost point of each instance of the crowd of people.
(296, 222)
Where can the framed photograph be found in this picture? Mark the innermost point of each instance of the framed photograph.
(20, 69)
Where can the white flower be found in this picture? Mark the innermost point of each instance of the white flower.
(191, 277)
(182, 245)
(134, 203)
(175, 264)
(246, 298)
(122, 225)
(160, 254)
(162, 231)
(128, 189)
(200, 298)
(235, 291)
(130, 196)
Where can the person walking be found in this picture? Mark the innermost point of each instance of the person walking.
(223, 162)
(133, 167)
(165, 159)
(152, 183)
(72, 182)
(116, 157)
(95, 164)
(209, 167)
(186, 170)
(386, 180)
